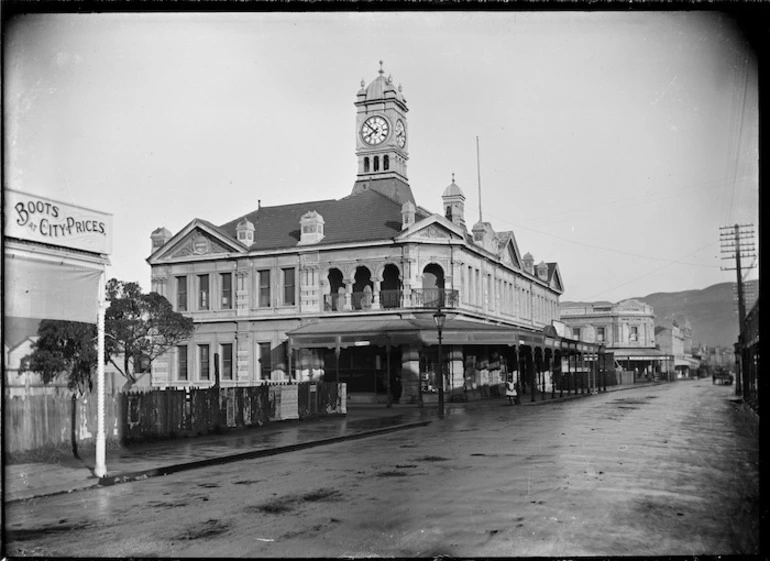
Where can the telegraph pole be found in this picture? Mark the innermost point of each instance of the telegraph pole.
(737, 241)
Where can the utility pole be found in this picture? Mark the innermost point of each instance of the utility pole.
(737, 242)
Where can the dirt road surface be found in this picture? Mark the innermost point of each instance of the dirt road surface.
(659, 470)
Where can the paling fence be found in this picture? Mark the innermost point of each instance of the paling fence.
(38, 421)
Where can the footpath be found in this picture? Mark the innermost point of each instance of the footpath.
(140, 461)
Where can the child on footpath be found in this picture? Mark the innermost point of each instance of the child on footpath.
(510, 391)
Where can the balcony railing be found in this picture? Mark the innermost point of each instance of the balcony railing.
(390, 299)
(434, 298)
(393, 299)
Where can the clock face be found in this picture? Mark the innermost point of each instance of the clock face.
(400, 134)
(375, 130)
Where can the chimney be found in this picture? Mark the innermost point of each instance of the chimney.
(407, 214)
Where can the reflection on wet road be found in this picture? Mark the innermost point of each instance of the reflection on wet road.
(663, 470)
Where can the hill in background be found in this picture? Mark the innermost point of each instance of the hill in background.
(712, 311)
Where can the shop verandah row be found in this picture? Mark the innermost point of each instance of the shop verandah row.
(399, 359)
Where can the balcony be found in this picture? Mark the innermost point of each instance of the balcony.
(434, 298)
(394, 299)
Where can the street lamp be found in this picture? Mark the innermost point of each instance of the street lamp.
(439, 318)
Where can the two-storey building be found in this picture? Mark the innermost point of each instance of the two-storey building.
(626, 329)
(674, 337)
(346, 289)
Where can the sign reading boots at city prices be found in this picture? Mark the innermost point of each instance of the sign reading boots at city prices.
(39, 219)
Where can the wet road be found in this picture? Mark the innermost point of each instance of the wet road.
(660, 470)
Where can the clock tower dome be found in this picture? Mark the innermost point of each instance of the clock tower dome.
(382, 139)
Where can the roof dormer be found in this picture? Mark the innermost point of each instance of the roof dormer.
(245, 232)
(311, 228)
(542, 271)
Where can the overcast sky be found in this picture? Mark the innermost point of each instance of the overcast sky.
(615, 144)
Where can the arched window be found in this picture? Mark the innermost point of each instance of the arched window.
(390, 288)
(336, 297)
(376, 163)
(366, 164)
(433, 286)
(362, 299)
(385, 163)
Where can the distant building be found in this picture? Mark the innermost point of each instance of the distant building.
(675, 338)
(345, 290)
(627, 329)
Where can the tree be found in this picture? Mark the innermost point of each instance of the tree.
(139, 328)
(64, 347)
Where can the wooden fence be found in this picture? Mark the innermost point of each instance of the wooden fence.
(39, 421)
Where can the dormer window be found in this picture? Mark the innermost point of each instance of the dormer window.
(311, 228)
(245, 232)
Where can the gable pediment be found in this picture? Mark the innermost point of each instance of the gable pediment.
(556, 283)
(196, 240)
(197, 243)
(433, 228)
(510, 256)
(433, 232)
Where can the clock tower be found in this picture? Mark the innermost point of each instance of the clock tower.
(382, 139)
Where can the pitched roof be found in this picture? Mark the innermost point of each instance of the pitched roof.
(365, 216)
(16, 330)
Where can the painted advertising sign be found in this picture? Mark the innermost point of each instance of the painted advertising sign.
(39, 219)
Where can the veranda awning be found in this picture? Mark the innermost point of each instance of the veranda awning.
(640, 354)
(351, 332)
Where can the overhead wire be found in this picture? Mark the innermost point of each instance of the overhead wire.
(636, 278)
(611, 250)
(738, 140)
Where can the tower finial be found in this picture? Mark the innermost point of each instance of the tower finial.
(363, 83)
(381, 71)
(453, 177)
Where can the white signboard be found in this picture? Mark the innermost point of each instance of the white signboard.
(39, 219)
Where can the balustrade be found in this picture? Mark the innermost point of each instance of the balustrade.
(393, 299)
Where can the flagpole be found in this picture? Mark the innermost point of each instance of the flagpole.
(100, 468)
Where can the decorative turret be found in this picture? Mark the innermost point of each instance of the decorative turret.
(454, 203)
(529, 263)
(311, 227)
(245, 232)
(159, 238)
